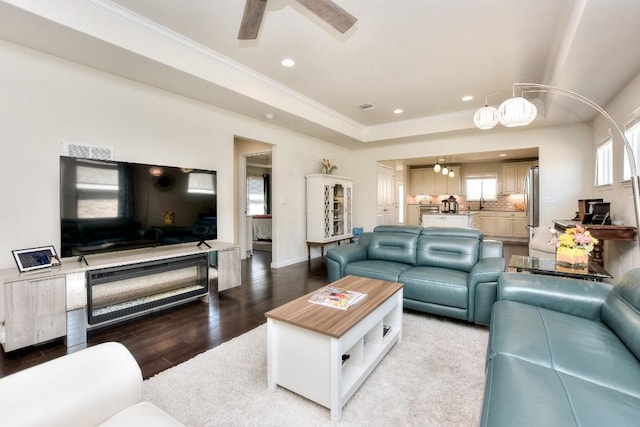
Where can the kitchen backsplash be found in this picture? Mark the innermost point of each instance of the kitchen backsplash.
(510, 202)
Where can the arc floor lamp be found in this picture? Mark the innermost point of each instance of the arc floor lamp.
(518, 111)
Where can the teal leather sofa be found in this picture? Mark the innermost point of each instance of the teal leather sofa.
(563, 352)
(446, 271)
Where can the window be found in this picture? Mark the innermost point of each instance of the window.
(632, 132)
(202, 183)
(482, 187)
(604, 162)
(255, 195)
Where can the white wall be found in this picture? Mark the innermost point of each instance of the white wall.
(47, 100)
(620, 256)
(565, 157)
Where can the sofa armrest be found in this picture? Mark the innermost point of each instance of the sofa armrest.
(576, 297)
(482, 288)
(82, 388)
(339, 256)
(491, 249)
(486, 270)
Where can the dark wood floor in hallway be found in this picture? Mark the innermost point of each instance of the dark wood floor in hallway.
(164, 339)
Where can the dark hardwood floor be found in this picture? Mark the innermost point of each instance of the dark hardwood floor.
(164, 339)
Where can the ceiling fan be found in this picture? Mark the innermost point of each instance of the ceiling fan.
(326, 10)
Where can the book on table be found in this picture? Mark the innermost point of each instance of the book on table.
(336, 297)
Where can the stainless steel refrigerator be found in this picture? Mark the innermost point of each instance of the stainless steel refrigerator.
(532, 197)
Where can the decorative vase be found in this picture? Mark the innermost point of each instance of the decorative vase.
(572, 257)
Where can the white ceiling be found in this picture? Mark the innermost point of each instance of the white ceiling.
(418, 55)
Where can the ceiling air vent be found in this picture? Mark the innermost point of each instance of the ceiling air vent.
(366, 106)
(73, 149)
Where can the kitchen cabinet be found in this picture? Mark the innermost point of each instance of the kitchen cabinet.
(413, 214)
(511, 224)
(487, 223)
(422, 182)
(415, 182)
(513, 175)
(428, 182)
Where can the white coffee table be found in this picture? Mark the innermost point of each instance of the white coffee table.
(307, 342)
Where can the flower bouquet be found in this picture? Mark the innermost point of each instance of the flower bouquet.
(574, 246)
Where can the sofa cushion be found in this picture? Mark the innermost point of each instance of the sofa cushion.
(621, 310)
(573, 345)
(457, 249)
(436, 285)
(520, 393)
(397, 247)
(376, 269)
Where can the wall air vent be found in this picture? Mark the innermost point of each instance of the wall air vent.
(366, 106)
(73, 149)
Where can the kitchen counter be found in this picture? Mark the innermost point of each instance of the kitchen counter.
(457, 213)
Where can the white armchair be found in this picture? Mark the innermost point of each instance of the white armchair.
(97, 386)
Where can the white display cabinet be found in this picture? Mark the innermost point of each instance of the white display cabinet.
(329, 208)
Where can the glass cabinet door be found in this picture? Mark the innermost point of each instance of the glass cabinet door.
(338, 209)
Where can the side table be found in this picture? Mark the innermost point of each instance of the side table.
(549, 266)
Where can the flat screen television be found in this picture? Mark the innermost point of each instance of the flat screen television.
(109, 206)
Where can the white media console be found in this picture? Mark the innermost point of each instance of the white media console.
(41, 306)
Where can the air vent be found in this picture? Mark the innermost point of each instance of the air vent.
(73, 149)
(366, 106)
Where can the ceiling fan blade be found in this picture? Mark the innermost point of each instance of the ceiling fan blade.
(251, 19)
(330, 13)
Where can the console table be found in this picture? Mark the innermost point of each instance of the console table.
(600, 232)
(338, 241)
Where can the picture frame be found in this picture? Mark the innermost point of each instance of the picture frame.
(35, 258)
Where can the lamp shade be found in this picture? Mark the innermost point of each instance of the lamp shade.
(516, 111)
(445, 171)
(436, 167)
(486, 117)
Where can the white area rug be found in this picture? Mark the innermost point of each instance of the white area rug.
(433, 377)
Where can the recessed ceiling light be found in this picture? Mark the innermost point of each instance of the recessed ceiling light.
(269, 116)
(398, 111)
(502, 155)
(467, 98)
(288, 62)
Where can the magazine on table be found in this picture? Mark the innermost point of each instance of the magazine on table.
(336, 297)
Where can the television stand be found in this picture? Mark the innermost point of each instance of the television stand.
(55, 303)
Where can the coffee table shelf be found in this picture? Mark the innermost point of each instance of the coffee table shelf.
(306, 342)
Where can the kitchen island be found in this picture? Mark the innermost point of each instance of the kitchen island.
(464, 219)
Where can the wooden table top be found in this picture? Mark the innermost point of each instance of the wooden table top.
(604, 232)
(333, 321)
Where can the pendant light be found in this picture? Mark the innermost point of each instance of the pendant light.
(516, 111)
(452, 174)
(436, 167)
(486, 117)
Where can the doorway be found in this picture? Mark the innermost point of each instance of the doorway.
(253, 197)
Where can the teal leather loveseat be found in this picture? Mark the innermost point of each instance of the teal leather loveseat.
(447, 271)
(564, 352)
